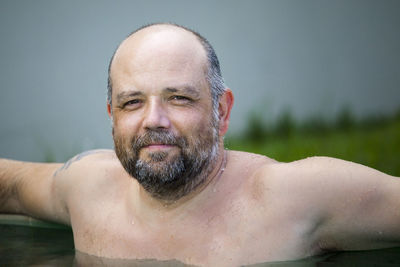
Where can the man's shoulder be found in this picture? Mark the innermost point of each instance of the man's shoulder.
(95, 154)
(294, 177)
(242, 157)
(314, 178)
(302, 168)
(249, 169)
(89, 164)
(91, 156)
(294, 188)
(89, 174)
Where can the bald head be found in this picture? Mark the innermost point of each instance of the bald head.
(160, 42)
(171, 43)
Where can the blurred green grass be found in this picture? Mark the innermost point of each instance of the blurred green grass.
(373, 141)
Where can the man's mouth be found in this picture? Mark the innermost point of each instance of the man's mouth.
(158, 146)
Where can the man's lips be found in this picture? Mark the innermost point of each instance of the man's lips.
(158, 146)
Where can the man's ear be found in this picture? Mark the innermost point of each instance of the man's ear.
(224, 111)
(109, 110)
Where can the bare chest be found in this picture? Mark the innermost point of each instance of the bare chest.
(240, 234)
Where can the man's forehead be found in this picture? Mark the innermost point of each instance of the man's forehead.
(158, 42)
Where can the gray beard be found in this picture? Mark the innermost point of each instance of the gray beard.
(170, 179)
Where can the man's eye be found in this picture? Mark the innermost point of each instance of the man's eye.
(132, 102)
(180, 98)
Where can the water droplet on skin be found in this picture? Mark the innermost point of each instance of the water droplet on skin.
(132, 222)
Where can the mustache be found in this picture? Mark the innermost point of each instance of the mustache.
(157, 137)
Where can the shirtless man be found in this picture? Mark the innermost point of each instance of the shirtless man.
(190, 199)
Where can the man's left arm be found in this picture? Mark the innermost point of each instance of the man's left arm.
(360, 206)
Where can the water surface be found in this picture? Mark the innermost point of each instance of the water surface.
(22, 245)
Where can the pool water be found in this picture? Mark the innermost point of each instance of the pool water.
(26, 245)
(42, 244)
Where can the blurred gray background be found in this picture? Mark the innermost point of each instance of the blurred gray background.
(310, 57)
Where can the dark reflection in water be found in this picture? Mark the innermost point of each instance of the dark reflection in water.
(27, 246)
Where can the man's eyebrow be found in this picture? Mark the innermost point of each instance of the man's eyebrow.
(123, 95)
(186, 89)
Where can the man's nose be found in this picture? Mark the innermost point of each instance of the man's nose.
(156, 116)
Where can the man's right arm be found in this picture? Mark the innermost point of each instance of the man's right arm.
(30, 188)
